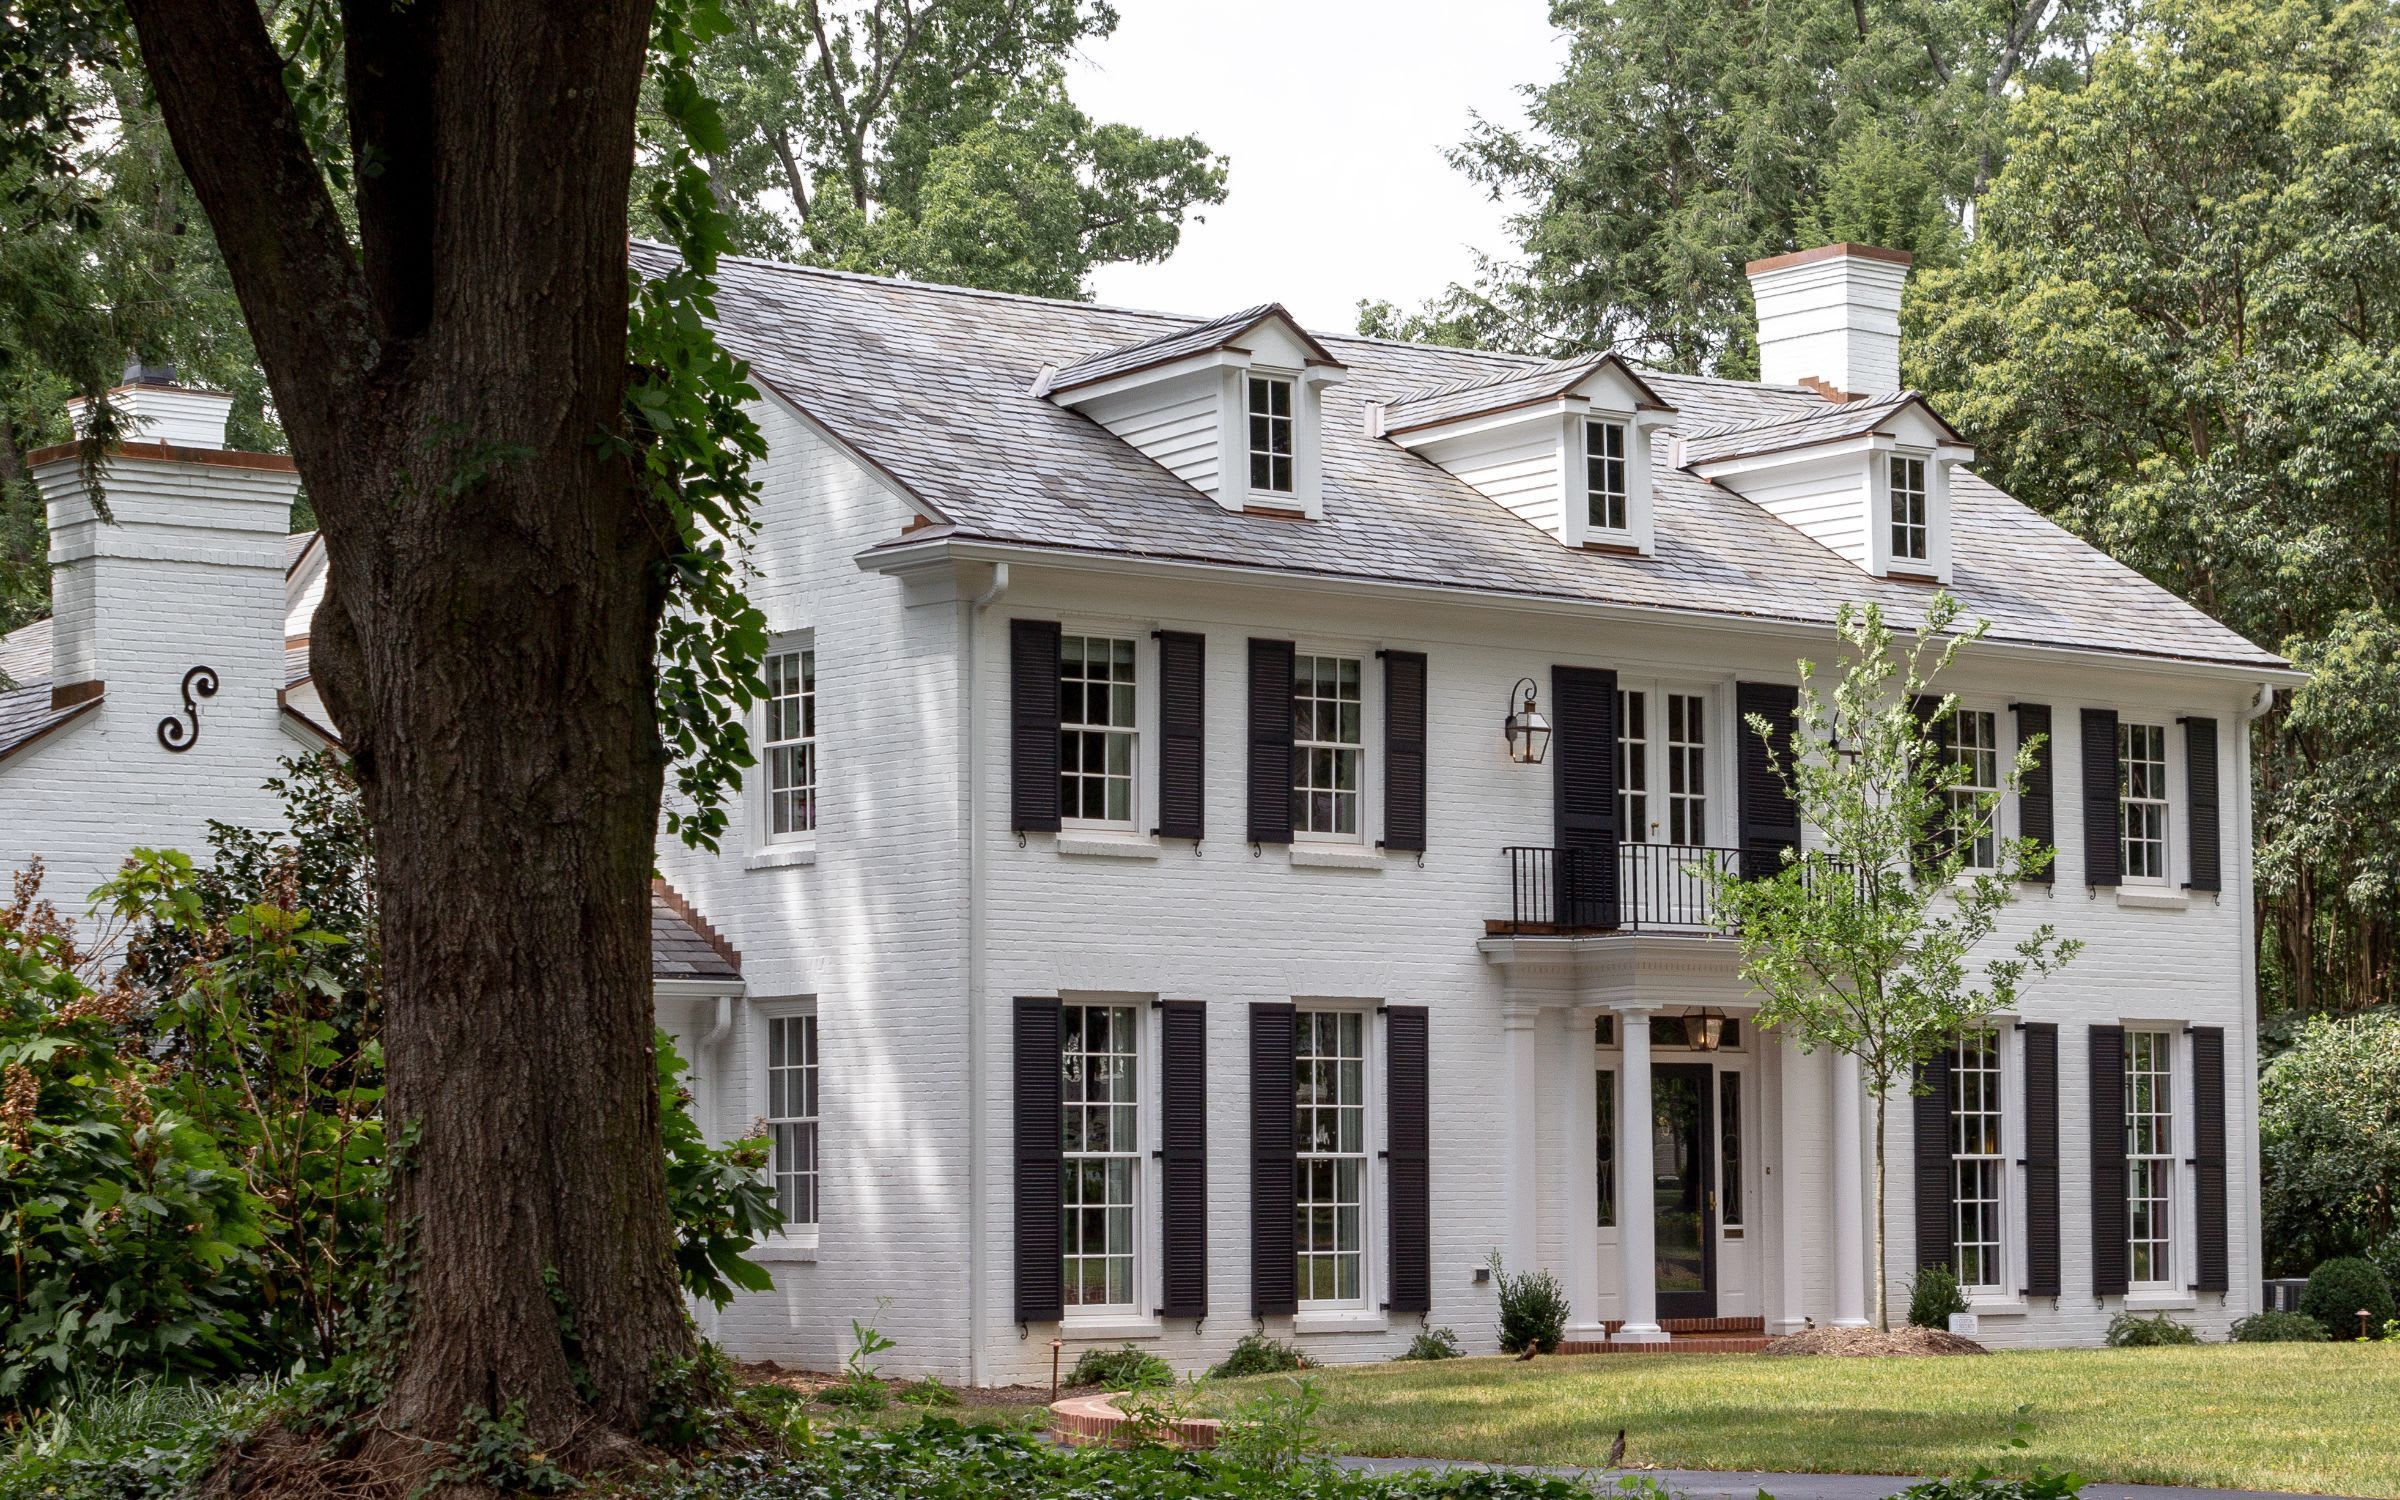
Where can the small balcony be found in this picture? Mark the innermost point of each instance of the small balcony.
(1628, 888)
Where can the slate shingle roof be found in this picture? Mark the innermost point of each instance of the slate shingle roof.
(1834, 422)
(1498, 390)
(1165, 348)
(934, 386)
(682, 944)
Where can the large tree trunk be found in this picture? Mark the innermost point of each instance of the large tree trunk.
(485, 646)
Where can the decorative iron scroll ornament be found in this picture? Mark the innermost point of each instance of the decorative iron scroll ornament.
(181, 734)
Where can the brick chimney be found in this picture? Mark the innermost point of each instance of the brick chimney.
(1830, 317)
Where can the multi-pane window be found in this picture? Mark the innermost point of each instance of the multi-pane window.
(791, 1116)
(2150, 1155)
(1633, 764)
(1604, 474)
(1974, 747)
(1729, 1147)
(2142, 800)
(1328, 745)
(1975, 1160)
(1329, 1064)
(1687, 770)
(1101, 1153)
(1909, 532)
(1604, 1145)
(1095, 728)
(791, 743)
(1271, 434)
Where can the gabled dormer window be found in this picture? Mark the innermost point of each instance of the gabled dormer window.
(1911, 536)
(1271, 446)
(1605, 488)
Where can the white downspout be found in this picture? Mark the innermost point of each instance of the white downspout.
(977, 1179)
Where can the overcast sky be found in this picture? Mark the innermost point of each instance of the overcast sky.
(1335, 114)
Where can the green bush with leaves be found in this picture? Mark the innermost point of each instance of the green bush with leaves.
(1933, 1296)
(1435, 1343)
(1533, 1310)
(2135, 1331)
(137, 1440)
(1257, 1354)
(718, 1195)
(1125, 1369)
(1983, 1484)
(1275, 1432)
(2278, 1328)
(2329, 1142)
(2343, 1288)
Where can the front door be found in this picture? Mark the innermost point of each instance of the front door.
(1682, 1154)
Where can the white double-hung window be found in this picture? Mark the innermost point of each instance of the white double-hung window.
(1101, 1161)
(1272, 450)
(791, 1117)
(1977, 1162)
(1329, 748)
(2150, 1156)
(1329, 1065)
(1607, 489)
(1973, 746)
(2142, 802)
(1097, 745)
(788, 740)
(1912, 532)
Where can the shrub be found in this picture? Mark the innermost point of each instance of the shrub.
(2279, 1328)
(2329, 1141)
(1256, 1354)
(131, 1441)
(1435, 1343)
(1983, 1484)
(1934, 1296)
(1126, 1369)
(928, 1393)
(2340, 1289)
(1275, 1431)
(2133, 1331)
(718, 1195)
(1533, 1310)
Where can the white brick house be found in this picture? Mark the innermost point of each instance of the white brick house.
(1144, 929)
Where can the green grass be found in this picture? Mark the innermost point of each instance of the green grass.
(2315, 1417)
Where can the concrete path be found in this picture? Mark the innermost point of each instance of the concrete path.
(1714, 1484)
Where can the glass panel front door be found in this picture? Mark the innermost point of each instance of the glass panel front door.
(1682, 1151)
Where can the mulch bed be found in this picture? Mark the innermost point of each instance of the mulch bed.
(809, 1382)
(1903, 1342)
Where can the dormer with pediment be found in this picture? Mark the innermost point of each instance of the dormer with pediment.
(1868, 479)
(1564, 445)
(1234, 407)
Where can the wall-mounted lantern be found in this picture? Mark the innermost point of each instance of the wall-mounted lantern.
(1528, 732)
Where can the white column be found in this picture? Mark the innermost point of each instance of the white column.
(1521, 1043)
(1637, 1190)
(1849, 1207)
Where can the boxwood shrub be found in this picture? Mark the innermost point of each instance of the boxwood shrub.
(2279, 1328)
(2339, 1289)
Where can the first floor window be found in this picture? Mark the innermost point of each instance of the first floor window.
(1328, 745)
(1329, 1063)
(1271, 434)
(1101, 1140)
(1909, 529)
(1095, 728)
(1604, 474)
(791, 743)
(1974, 747)
(792, 1116)
(1604, 1144)
(1975, 1159)
(2150, 1155)
(2142, 800)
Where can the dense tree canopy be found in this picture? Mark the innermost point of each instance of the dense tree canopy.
(2329, 1127)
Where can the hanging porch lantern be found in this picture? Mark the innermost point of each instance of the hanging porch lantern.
(1704, 1029)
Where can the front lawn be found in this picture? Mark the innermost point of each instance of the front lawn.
(2316, 1417)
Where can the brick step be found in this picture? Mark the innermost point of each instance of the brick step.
(1700, 1325)
(1681, 1343)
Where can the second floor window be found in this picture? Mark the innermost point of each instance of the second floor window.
(2150, 1156)
(791, 743)
(2142, 801)
(1096, 728)
(1976, 1161)
(1687, 769)
(1974, 747)
(1328, 746)
(1909, 531)
(1604, 475)
(791, 1117)
(1271, 434)
(1633, 764)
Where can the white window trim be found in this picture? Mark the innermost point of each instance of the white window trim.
(1370, 734)
(1291, 499)
(1367, 1310)
(792, 1242)
(2170, 847)
(1893, 521)
(1135, 1319)
(2179, 1189)
(770, 849)
(1936, 562)
(1594, 530)
(2004, 750)
(1145, 715)
(2004, 1056)
(1574, 450)
(1717, 753)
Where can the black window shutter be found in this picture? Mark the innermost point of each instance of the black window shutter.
(2112, 1257)
(1041, 1282)
(2041, 1160)
(1033, 724)
(1183, 1158)
(2208, 1157)
(1407, 1047)
(1182, 719)
(1932, 1157)
(2200, 791)
(1274, 1253)
(1770, 819)
(1404, 750)
(1270, 742)
(2037, 818)
(2102, 856)
(1583, 755)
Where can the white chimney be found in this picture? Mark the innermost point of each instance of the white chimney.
(154, 409)
(1832, 316)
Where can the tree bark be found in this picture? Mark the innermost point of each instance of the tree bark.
(1883, 1309)
(486, 646)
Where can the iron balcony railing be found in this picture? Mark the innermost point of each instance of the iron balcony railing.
(1630, 887)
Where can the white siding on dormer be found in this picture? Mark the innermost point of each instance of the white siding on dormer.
(1825, 499)
(1173, 422)
(1518, 467)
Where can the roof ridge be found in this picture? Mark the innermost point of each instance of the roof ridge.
(1495, 377)
(911, 283)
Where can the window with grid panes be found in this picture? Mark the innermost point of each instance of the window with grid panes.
(1096, 730)
(1973, 745)
(1328, 746)
(1604, 474)
(2142, 801)
(2150, 1156)
(1687, 769)
(1976, 1164)
(791, 743)
(1271, 434)
(1910, 534)
(791, 1117)
(1329, 1063)
(1101, 1159)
